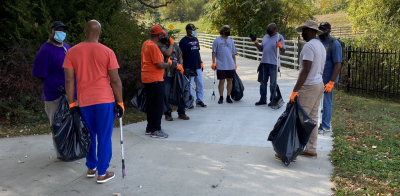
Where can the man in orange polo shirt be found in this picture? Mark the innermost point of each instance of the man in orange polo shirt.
(96, 70)
(152, 77)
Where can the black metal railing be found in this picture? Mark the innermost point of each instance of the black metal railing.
(371, 72)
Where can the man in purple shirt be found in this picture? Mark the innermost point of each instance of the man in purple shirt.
(47, 66)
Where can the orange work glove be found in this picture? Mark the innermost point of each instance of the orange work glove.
(120, 109)
(72, 105)
(180, 68)
(255, 41)
(235, 66)
(279, 44)
(202, 66)
(169, 61)
(294, 94)
(214, 66)
(329, 87)
(171, 41)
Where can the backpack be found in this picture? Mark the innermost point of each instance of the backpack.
(342, 44)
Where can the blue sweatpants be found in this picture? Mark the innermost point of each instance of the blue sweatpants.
(99, 120)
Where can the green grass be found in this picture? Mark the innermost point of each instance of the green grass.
(366, 151)
(42, 127)
(336, 20)
(182, 25)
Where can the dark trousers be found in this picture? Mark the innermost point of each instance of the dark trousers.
(154, 105)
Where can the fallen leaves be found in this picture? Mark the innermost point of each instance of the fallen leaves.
(19, 161)
(214, 185)
(117, 194)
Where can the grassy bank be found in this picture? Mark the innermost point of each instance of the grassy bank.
(366, 151)
(43, 126)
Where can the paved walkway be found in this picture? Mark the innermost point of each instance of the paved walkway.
(224, 145)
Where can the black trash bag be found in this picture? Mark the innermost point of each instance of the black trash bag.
(70, 133)
(139, 100)
(237, 88)
(180, 95)
(291, 132)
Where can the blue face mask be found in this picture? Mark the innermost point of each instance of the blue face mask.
(193, 33)
(59, 36)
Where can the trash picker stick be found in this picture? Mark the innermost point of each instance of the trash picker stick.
(122, 149)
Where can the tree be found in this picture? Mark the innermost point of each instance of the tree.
(380, 19)
(184, 10)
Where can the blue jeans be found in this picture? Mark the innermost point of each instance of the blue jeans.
(327, 110)
(99, 119)
(167, 89)
(199, 85)
(267, 71)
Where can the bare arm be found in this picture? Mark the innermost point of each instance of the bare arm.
(168, 52)
(259, 47)
(180, 59)
(336, 71)
(282, 50)
(116, 84)
(200, 58)
(303, 75)
(163, 65)
(234, 58)
(213, 57)
(70, 84)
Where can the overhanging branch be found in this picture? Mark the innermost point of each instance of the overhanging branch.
(151, 6)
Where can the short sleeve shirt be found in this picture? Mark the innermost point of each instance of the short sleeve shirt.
(331, 60)
(224, 50)
(190, 48)
(313, 51)
(91, 63)
(151, 55)
(48, 65)
(269, 48)
(176, 52)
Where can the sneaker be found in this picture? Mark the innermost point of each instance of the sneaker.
(168, 116)
(159, 134)
(221, 100)
(277, 157)
(261, 103)
(104, 179)
(309, 155)
(91, 173)
(148, 132)
(183, 116)
(322, 130)
(269, 104)
(191, 107)
(201, 104)
(228, 99)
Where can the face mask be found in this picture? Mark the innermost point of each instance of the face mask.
(193, 33)
(164, 40)
(228, 33)
(323, 36)
(59, 36)
(269, 32)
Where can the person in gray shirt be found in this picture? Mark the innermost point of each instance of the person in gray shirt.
(268, 65)
(224, 60)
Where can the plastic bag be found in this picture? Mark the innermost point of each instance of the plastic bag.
(180, 95)
(139, 100)
(291, 132)
(237, 88)
(70, 133)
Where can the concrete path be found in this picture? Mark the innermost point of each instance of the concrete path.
(224, 145)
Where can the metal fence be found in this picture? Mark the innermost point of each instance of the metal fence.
(246, 48)
(371, 71)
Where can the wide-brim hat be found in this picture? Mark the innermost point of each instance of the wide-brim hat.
(310, 24)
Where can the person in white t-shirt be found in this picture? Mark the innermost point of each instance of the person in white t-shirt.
(309, 86)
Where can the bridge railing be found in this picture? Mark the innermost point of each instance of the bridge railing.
(246, 48)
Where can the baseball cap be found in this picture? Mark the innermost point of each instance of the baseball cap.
(190, 26)
(58, 24)
(156, 29)
(325, 25)
(310, 24)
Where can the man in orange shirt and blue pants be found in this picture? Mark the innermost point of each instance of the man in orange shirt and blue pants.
(96, 69)
(153, 79)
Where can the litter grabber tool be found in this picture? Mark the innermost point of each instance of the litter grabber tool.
(190, 83)
(122, 149)
(213, 94)
(277, 101)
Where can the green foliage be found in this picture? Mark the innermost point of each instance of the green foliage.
(183, 10)
(25, 27)
(246, 16)
(380, 19)
(332, 6)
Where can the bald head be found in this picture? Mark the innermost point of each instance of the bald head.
(92, 31)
